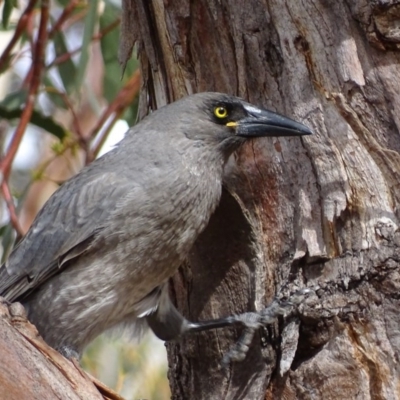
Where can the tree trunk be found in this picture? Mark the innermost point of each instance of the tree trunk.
(321, 211)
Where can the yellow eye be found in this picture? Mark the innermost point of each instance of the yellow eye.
(220, 112)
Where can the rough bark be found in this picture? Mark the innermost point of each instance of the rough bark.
(322, 210)
(31, 370)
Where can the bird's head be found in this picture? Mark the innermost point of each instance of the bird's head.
(227, 121)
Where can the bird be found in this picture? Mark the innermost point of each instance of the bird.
(100, 252)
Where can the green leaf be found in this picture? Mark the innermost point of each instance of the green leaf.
(130, 114)
(11, 108)
(7, 235)
(90, 22)
(2, 230)
(14, 100)
(6, 64)
(112, 80)
(67, 69)
(49, 125)
(112, 75)
(7, 10)
(63, 3)
(53, 93)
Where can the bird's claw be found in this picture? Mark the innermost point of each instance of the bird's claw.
(239, 350)
(255, 320)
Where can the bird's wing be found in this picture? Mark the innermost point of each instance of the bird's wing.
(64, 228)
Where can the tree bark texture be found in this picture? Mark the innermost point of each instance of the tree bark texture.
(31, 370)
(318, 211)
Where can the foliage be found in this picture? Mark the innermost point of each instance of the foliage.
(58, 42)
(60, 71)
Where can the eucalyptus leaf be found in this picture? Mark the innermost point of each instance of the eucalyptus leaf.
(7, 236)
(38, 119)
(67, 68)
(53, 93)
(130, 114)
(7, 10)
(90, 23)
(113, 80)
(14, 100)
(112, 75)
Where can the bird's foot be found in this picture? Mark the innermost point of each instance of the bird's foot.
(168, 324)
(252, 321)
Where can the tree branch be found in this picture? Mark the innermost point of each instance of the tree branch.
(35, 74)
(123, 100)
(11, 208)
(37, 65)
(19, 30)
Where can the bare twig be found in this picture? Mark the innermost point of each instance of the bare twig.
(117, 107)
(66, 56)
(75, 120)
(35, 75)
(11, 208)
(107, 29)
(68, 10)
(37, 65)
(19, 30)
(74, 18)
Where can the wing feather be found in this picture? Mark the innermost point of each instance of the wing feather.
(64, 228)
(90, 204)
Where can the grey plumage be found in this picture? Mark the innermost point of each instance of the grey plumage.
(102, 248)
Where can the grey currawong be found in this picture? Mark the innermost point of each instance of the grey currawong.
(100, 252)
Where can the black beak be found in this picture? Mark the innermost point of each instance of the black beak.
(267, 123)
